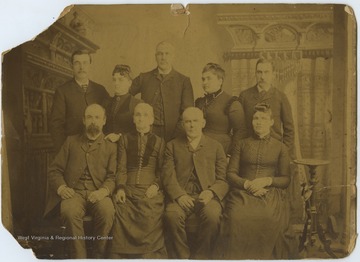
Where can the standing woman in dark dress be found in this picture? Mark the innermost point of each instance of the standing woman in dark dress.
(256, 212)
(120, 108)
(139, 204)
(223, 113)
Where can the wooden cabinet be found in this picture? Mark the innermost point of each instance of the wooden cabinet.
(32, 72)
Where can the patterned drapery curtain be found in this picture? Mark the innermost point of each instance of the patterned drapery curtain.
(302, 56)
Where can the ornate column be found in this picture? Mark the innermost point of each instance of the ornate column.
(305, 107)
(319, 94)
(46, 63)
(239, 75)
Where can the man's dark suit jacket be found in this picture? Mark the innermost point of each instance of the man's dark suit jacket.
(283, 128)
(121, 121)
(176, 91)
(74, 156)
(208, 159)
(68, 109)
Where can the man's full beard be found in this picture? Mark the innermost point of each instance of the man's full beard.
(93, 130)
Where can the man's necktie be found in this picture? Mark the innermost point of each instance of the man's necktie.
(262, 94)
(84, 88)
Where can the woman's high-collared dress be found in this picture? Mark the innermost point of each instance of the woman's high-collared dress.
(253, 226)
(138, 226)
(224, 117)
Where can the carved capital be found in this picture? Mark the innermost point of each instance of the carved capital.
(61, 41)
(314, 53)
(228, 56)
(278, 17)
(281, 34)
(320, 34)
(279, 30)
(242, 35)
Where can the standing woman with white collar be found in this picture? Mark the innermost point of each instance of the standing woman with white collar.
(223, 113)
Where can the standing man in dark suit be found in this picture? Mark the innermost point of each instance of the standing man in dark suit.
(71, 99)
(81, 178)
(166, 90)
(194, 180)
(265, 92)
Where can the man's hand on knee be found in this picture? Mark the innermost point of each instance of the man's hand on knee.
(205, 196)
(186, 202)
(66, 192)
(98, 195)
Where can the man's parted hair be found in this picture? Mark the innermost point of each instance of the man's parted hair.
(265, 61)
(81, 52)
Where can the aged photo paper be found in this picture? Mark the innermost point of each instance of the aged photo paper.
(288, 192)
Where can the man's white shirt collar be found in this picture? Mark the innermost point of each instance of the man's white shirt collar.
(194, 142)
(83, 83)
(164, 72)
(262, 89)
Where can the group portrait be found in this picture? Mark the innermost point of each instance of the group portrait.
(218, 131)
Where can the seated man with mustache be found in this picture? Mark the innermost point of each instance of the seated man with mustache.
(81, 178)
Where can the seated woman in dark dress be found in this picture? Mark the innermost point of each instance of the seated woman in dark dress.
(139, 204)
(223, 113)
(256, 212)
(120, 108)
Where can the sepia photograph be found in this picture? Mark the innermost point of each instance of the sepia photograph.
(167, 131)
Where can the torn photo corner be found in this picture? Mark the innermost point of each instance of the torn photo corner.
(143, 174)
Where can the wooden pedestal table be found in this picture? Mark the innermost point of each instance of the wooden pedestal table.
(313, 234)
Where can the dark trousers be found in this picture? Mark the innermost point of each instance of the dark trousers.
(72, 212)
(209, 223)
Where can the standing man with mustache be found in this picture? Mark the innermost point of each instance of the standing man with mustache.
(167, 91)
(81, 179)
(71, 99)
(265, 92)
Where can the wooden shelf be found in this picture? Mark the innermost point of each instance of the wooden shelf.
(75, 37)
(41, 90)
(35, 111)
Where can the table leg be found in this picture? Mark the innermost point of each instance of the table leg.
(316, 232)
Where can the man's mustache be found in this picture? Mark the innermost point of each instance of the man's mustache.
(93, 129)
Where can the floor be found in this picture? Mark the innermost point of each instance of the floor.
(56, 249)
(317, 250)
